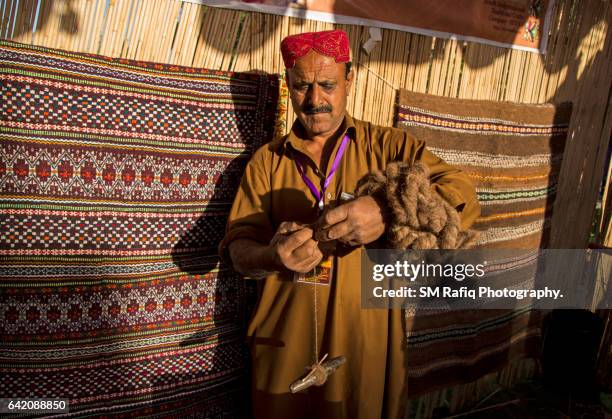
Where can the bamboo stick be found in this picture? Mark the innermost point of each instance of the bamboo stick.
(137, 30)
(75, 25)
(499, 74)
(452, 73)
(58, 23)
(373, 86)
(53, 34)
(216, 45)
(390, 79)
(164, 21)
(173, 11)
(551, 55)
(122, 24)
(466, 70)
(354, 34)
(109, 29)
(17, 21)
(32, 5)
(192, 34)
(134, 30)
(437, 62)
(188, 17)
(16, 17)
(10, 15)
(36, 31)
(4, 17)
(80, 13)
(151, 19)
(450, 70)
(243, 50)
(426, 46)
(41, 37)
(233, 31)
(23, 14)
(177, 42)
(86, 22)
(361, 84)
(105, 30)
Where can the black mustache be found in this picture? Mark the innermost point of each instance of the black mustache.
(318, 109)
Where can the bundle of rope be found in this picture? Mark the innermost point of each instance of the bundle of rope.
(418, 218)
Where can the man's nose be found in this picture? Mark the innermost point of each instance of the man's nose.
(314, 95)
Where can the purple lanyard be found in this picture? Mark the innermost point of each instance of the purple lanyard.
(320, 195)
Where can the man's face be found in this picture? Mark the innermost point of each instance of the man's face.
(319, 88)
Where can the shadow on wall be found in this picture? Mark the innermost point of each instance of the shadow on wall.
(231, 298)
(37, 13)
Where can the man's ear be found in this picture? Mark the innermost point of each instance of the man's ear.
(349, 81)
(287, 78)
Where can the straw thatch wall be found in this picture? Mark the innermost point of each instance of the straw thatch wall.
(576, 67)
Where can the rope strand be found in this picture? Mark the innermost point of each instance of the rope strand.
(316, 319)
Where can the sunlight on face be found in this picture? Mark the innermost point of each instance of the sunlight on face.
(319, 88)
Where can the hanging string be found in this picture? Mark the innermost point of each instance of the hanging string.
(316, 319)
(374, 73)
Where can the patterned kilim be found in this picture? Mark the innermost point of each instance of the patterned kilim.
(116, 178)
(513, 153)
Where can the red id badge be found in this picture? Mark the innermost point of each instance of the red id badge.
(321, 275)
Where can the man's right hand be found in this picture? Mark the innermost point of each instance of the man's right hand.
(294, 248)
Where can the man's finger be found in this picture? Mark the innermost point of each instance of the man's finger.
(310, 263)
(306, 250)
(334, 232)
(364, 235)
(295, 239)
(289, 227)
(350, 239)
(333, 216)
(283, 229)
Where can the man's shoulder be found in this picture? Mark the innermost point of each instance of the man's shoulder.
(267, 150)
(369, 131)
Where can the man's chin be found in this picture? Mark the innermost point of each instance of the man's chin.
(318, 123)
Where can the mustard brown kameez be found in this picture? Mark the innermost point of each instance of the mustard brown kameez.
(281, 332)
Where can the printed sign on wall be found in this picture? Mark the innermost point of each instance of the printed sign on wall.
(520, 24)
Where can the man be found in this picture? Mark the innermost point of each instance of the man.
(292, 185)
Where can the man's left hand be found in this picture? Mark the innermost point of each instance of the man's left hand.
(355, 223)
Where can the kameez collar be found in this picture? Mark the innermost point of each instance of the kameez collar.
(297, 136)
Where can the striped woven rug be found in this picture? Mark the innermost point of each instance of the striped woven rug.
(116, 178)
(512, 152)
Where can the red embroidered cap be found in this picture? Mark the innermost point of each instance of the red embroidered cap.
(331, 43)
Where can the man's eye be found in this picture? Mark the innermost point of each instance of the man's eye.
(328, 86)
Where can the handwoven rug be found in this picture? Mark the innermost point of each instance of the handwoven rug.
(512, 152)
(116, 177)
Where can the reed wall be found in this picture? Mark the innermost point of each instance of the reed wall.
(577, 67)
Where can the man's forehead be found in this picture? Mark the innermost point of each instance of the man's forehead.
(316, 65)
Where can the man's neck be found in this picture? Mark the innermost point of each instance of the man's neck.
(322, 138)
(321, 146)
